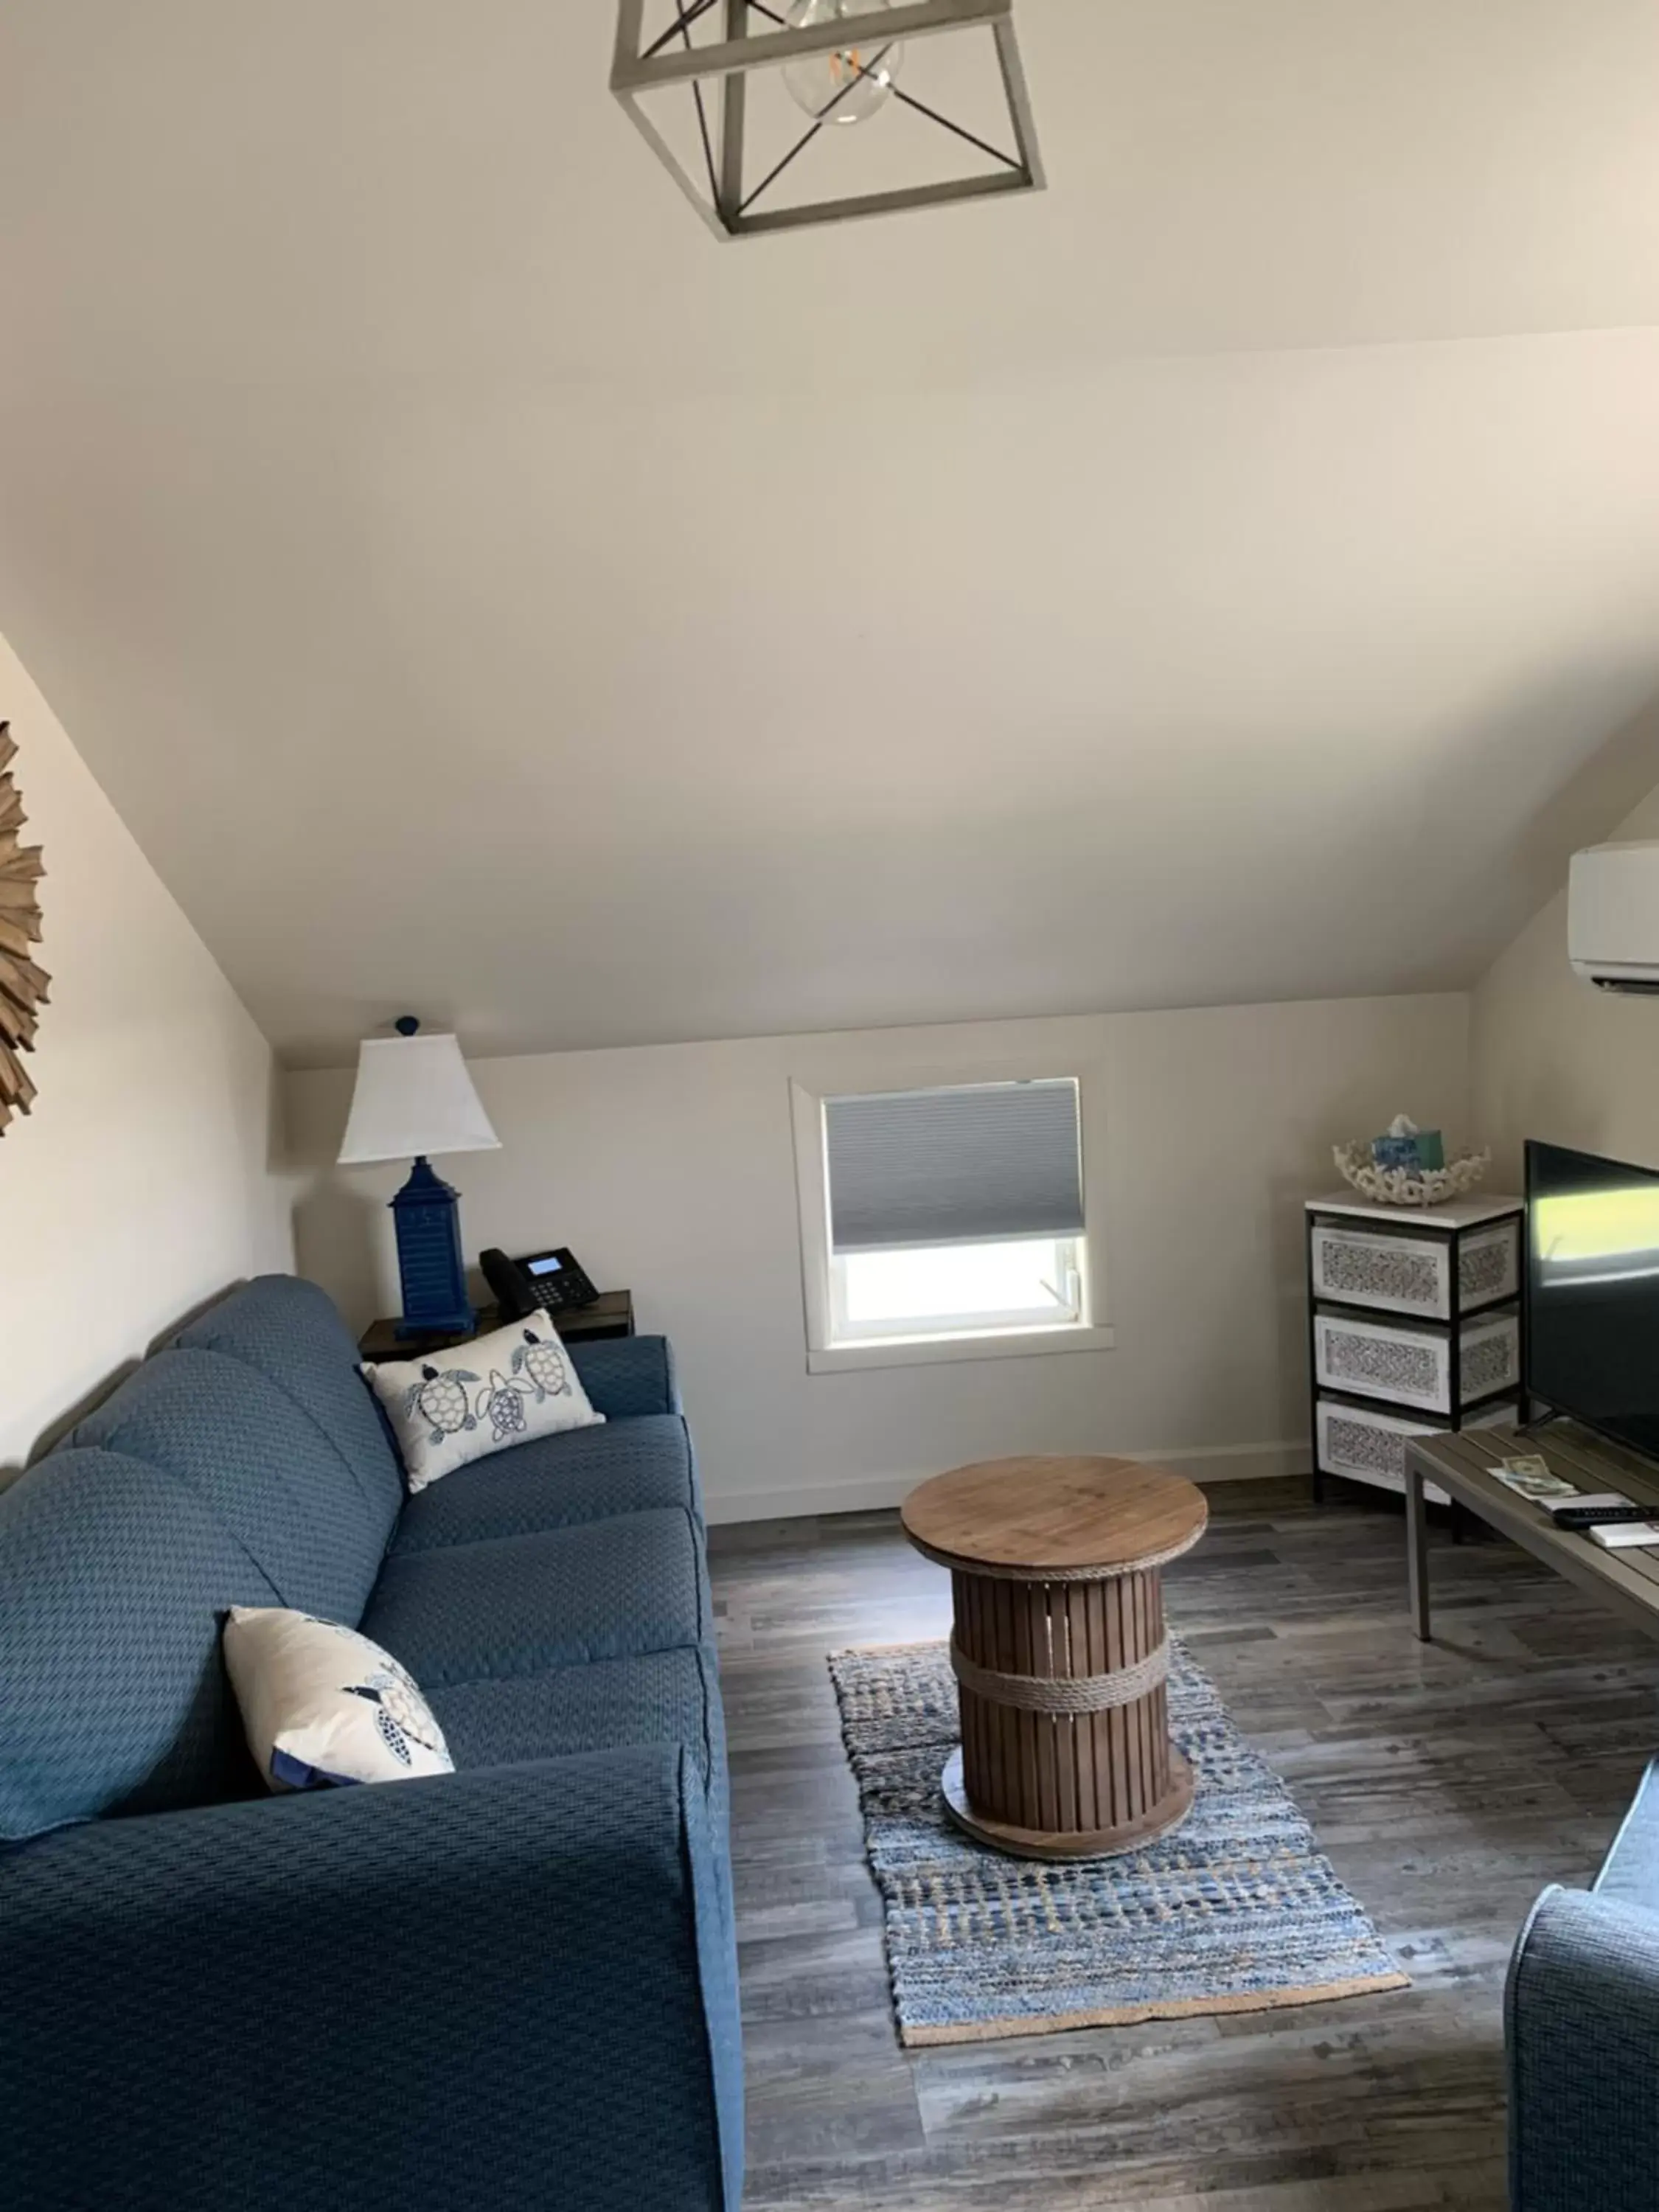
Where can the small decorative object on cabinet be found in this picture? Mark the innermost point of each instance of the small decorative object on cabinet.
(1407, 1166)
(22, 985)
(1414, 1327)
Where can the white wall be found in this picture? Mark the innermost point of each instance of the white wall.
(669, 1170)
(1553, 1057)
(141, 1183)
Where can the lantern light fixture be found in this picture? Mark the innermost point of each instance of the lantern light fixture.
(840, 61)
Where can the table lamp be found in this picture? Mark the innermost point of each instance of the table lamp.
(413, 1096)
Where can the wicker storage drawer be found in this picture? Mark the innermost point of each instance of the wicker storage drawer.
(1374, 1267)
(1368, 1446)
(1411, 1367)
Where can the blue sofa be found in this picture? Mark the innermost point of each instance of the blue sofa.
(511, 1986)
(1580, 2026)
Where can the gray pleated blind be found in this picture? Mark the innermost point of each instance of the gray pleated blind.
(966, 1165)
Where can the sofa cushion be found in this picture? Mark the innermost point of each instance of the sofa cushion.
(113, 1580)
(519, 1605)
(627, 1376)
(276, 1480)
(553, 1482)
(292, 1332)
(662, 1697)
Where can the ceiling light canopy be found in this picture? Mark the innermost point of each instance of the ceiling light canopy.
(743, 71)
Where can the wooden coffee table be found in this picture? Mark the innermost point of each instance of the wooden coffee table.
(1058, 1647)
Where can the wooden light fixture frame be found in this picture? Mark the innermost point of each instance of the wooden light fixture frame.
(725, 207)
(23, 985)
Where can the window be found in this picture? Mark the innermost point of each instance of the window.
(949, 1221)
(1025, 1283)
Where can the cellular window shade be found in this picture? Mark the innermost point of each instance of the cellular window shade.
(984, 1162)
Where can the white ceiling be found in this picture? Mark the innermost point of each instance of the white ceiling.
(1229, 575)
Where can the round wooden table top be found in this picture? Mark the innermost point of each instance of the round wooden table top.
(1055, 1519)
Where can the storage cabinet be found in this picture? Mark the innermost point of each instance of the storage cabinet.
(1413, 1326)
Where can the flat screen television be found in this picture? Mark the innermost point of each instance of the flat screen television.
(1592, 1316)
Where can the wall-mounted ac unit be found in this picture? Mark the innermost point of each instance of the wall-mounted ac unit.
(1613, 916)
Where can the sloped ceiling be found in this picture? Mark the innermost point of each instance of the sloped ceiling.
(1229, 575)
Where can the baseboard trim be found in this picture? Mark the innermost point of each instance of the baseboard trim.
(871, 1492)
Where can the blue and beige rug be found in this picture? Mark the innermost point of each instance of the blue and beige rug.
(1237, 1910)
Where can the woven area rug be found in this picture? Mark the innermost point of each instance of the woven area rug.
(1235, 1911)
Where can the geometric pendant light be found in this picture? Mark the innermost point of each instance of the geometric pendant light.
(767, 93)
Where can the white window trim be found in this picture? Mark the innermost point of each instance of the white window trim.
(823, 1355)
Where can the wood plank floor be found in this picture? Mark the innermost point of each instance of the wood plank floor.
(1449, 1782)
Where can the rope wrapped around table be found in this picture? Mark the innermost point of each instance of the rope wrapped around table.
(1063, 1693)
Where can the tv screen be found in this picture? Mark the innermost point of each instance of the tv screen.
(1593, 1291)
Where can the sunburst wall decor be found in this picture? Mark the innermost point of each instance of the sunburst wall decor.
(23, 985)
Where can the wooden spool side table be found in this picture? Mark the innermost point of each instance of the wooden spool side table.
(1058, 1647)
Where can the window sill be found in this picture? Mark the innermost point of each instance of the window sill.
(929, 1351)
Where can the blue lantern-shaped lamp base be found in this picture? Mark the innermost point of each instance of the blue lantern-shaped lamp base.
(427, 1211)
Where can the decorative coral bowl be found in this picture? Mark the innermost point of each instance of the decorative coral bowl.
(1410, 1186)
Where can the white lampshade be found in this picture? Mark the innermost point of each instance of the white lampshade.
(414, 1096)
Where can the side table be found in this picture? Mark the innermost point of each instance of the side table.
(610, 1314)
(1059, 1649)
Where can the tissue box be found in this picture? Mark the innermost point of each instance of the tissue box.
(1395, 1152)
(1423, 1149)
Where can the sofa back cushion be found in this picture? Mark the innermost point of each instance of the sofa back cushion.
(113, 1696)
(276, 1480)
(292, 1332)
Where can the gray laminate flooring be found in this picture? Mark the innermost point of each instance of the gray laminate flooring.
(1447, 1781)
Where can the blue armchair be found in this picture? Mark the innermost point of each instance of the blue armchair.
(1581, 2020)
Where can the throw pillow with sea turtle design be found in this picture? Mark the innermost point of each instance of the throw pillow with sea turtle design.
(322, 1704)
(451, 1406)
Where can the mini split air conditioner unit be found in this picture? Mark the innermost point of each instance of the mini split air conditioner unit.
(1613, 916)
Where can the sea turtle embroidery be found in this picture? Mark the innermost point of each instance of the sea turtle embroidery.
(504, 1403)
(441, 1396)
(544, 1363)
(400, 1715)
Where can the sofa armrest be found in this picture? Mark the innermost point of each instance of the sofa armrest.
(1581, 2025)
(1629, 1873)
(505, 1987)
(629, 1375)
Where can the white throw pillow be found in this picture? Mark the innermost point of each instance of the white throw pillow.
(453, 1406)
(322, 1703)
